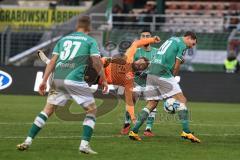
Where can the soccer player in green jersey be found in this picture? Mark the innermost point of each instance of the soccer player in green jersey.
(148, 52)
(71, 55)
(161, 83)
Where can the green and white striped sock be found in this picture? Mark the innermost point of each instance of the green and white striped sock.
(88, 126)
(150, 119)
(140, 120)
(37, 125)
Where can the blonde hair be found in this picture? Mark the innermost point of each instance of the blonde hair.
(84, 23)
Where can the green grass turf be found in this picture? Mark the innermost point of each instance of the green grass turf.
(216, 124)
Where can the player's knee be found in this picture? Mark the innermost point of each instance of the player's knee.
(91, 109)
(182, 107)
(182, 99)
(49, 109)
(152, 104)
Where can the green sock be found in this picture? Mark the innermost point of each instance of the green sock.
(149, 123)
(127, 118)
(140, 120)
(150, 120)
(37, 125)
(183, 116)
(88, 126)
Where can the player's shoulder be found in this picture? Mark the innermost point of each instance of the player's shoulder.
(175, 39)
(79, 36)
(154, 48)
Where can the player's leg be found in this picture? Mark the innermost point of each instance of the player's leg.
(81, 94)
(126, 125)
(149, 123)
(37, 125)
(143, 115)
(169, 87)
(127, 117)
(183, 112)
(139, 91)
(43, 57)
(55, 98)
(88, 126)
(184, 118)
(152, 95)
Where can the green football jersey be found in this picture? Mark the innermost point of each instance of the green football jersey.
(163, 63)
(74, 52)
(141, 79)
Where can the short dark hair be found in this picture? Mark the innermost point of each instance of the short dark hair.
(84, 22)
(145, 30)
(191, 34)
(145, 59)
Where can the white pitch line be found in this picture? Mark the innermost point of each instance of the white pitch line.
(105, 123)
(59, 137)
(58, 123)
(114, 136)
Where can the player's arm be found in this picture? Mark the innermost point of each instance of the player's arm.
(139, 43)
(179, 61)
(176, 67)
(98, 64)
(106, 61)
(49, 69)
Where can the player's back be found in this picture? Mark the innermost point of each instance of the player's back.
(74, 51)
(164, 60)
(118, 72)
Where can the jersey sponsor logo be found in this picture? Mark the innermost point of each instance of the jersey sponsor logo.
(5, 80)
(157, 61)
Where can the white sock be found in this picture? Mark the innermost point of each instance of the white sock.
(28, 140)
(84, 143)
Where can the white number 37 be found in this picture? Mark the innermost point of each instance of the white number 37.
(68, 51)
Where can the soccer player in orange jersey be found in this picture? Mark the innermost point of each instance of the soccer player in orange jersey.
(120, 71)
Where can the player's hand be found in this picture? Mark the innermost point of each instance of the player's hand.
(177, 78)
(157, 39)
(42, 88)
(134, 120)
(105, 87)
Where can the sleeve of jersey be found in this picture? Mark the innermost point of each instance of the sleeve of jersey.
(136, 44)
(56, 49)
(180, 53)
(94, 49)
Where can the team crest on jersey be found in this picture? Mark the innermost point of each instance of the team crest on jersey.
(5, 80)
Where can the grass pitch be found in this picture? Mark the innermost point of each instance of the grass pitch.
(216, 124)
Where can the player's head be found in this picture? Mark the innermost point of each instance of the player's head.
(141, 64)
(83, 24)
(190, 39)
(145, 34)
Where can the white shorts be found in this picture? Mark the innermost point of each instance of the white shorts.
(62, 91)
(159, 88)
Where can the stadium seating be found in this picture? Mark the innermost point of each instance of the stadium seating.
(207, 41)
(212, 12)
